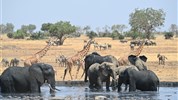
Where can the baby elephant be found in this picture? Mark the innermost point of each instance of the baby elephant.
(99, 73)
(145, 80)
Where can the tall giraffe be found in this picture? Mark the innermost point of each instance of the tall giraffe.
(138, 50)
(77, 59)
(124, 60)
(37, 56)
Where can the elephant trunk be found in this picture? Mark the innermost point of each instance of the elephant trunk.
(51, 83)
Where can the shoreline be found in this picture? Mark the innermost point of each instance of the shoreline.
(82, 83)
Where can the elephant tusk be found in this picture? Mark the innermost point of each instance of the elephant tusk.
(52, 88)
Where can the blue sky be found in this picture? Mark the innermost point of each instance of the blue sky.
(95, 13)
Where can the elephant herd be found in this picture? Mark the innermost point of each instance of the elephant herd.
(98, 69)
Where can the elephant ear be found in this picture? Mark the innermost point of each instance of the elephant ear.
(132, 59)
(36, 72)
(143, 58)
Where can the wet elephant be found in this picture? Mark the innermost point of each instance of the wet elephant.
(145, 80)
(27, 79)
(99, 73)
(96, 58)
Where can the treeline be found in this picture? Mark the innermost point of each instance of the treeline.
(143, 22)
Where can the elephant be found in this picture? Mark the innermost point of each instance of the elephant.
(120, 71)
(18, 79)
(99, 73)
(145, 80)
(139, 62)
(97, 58)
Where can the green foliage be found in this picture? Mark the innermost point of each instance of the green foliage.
(19, 34)
(31, 28)
(46, 26)
(37, 36)
(131, 34)
(8, 28)
(168, 35)
(146, 20)
(91, 34)
(116, 35)
(10, 35)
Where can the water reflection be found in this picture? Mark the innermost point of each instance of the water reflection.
(83, 93)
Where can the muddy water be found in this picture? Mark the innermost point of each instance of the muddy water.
(83, 93)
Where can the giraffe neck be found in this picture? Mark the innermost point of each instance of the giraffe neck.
(42, 52)
(139, 50)
(81, 54)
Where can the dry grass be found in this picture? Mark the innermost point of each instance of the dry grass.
(24, 48)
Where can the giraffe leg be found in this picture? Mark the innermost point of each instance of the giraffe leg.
(70, 73)
(65, 71)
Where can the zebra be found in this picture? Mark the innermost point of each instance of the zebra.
(14, 62)
(5, 62)
(61, 60)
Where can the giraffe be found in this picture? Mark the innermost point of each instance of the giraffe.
(138, 50)
(77, 59)
(124, 60)
(37, 56)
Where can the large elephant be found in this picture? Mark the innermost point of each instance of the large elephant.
(145, 80)
(99, 73)
(27, 79)
(139, 62)
(96, 58)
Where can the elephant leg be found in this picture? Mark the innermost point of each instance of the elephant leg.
(34, 87)
(107, 84)
(132, 85)
(126, 87)
(119, 85)
(85, 80)
(99, 84)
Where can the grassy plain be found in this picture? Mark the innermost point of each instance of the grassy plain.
(22, 49)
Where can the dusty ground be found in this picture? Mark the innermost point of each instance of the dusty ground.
(24, 48)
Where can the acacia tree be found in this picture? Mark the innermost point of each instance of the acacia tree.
(146, 20)
(61, 30)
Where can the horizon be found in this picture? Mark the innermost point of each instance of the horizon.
(81, 12)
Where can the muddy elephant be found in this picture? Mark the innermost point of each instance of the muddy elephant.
(145, 80)
(27, 79)
(139, 62)
(97, 58)
(99, 73)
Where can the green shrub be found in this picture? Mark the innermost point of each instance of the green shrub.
(168, 35)
(10, 35)
(37, 36)
(19, 35)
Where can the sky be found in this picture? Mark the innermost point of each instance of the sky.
(95, 13)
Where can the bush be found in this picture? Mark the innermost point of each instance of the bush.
(37, 36)
(10, 35)
(91, 34)
(18, 35)
(168, 35)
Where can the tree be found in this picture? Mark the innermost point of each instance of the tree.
(86, 29)
(146, 20)
(31, 28)
(61, 30)
(118, 28)
(173, 28)
(91, 34)
(9, 28)
(2, 28)
(24, 29)
(46, 26)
